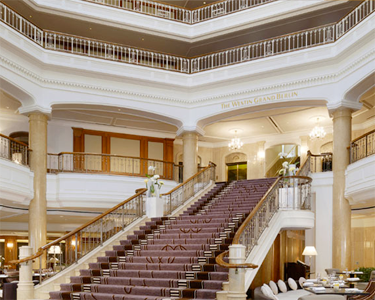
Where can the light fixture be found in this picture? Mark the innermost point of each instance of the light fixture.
(54, 250)
(318, 131)
(310, 251)
(10, 245)
(236, 143)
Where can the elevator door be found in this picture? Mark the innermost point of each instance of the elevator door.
(237, 171)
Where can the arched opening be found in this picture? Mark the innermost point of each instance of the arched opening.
(236, 166)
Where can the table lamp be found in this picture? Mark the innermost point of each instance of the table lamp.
(310, 251)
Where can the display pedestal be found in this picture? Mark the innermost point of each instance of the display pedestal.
(154, 207)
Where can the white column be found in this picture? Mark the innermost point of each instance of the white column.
(25, 288)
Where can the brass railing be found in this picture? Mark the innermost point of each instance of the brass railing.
(183, 192)
(362, 146)
(181, 14)
(80, 162)
(14, 150)
(316, 163)
(120, 53)
(287, 193)
(68, 249)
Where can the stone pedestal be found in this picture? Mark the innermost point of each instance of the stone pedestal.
(25, 289)
(237, 276)
(154, 207)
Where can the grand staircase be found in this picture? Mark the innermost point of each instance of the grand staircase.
(171, 257)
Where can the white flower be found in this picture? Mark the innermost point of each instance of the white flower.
(146, 180)
(291, 169)
(285, 164)
(156, 176)
(161, 182)
(151, 168)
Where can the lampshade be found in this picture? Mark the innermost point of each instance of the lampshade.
(309, 250)
(54, 250)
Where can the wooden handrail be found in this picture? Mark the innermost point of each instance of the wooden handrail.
(220, 261)
(362, 136)
(210, 164)
(70, 234)
(236, 238)
(110, 155)
(304, 163)
(14, 140)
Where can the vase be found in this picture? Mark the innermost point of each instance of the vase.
(154, 207)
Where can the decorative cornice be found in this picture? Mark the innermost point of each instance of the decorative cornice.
(264, 90)
(187, 128)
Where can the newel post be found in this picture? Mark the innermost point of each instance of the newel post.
(237, 255)
(25, 288)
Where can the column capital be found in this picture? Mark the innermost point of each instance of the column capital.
(192, 129)
(340, 105)
(36, 109)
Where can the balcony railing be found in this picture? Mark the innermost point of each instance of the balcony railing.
(183, 192)
(181, 14)
(14, 150)
(120, 53)
(77, 162)
(362, 146)
(316, 163)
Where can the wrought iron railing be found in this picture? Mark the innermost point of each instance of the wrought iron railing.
(287, 193)
(181, 14)
(316, 163)
(78, 162)
(120, 53)
(14, 150)
(68, 249)
(362, 146)
(183, 192)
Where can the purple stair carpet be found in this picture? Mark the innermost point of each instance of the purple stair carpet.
(171, 257)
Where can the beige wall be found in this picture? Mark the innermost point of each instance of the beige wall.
(126, 147)
(93, 143)
(155, 150)
(363, 241)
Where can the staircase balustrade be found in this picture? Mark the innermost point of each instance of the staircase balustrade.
(79, 162)
(14, 150)
(287, 193)
(68, 249)
(183, 192)
(362, 146)
(316, 163)
(120, 53)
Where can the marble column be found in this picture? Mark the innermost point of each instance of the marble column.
(341, 223)
(190, 155)
(38, 164)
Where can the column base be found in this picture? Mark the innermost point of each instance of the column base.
(25, 290)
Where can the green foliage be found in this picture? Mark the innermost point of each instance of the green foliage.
(366, 273)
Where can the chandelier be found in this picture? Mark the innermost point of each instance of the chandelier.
(318, 132)
(236, 143)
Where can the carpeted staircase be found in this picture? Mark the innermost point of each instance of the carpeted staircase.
(171, 257)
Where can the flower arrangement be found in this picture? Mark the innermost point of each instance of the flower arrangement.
(282, 155)
(288, 169)
(153, 184)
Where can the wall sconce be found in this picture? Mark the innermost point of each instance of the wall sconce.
(261, 154)
(10, 245)
(73, 243)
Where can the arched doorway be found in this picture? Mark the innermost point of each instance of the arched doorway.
(236, 165)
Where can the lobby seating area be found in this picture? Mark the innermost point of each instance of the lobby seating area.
(172, 256)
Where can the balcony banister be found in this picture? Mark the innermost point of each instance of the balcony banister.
(14, 150)
(14, 140)
(79, 229)
(363, 146)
